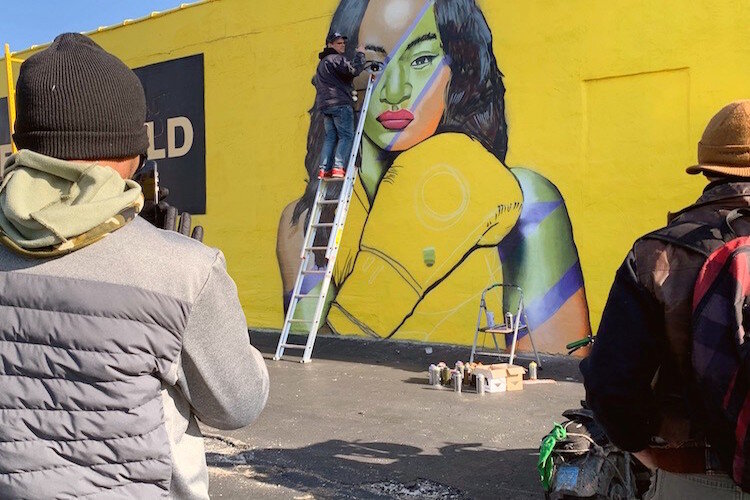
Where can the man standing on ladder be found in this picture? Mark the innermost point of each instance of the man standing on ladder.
(333, 82)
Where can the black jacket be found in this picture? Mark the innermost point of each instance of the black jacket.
(639, 374)
(334, 78)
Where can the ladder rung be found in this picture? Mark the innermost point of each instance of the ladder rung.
(323, 224)
(320, 271)
(303, 296)
(300, 321)
(491, 353)
(328, 202)
(316, 248)
(334, 179)
(293, 346)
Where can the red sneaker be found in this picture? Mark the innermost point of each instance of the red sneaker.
(338, 172)
(323, 173)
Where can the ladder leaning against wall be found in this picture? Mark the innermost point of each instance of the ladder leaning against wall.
(324, 198)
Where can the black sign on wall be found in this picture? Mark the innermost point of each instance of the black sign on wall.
(4, 130)
(176, 125)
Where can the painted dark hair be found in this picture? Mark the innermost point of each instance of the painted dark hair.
(475, 97)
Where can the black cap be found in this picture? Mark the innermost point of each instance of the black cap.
(77, 101)
(332, 37)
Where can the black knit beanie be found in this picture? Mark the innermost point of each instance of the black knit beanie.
(77, 101)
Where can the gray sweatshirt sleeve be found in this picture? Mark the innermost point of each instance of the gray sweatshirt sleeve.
(222, 376)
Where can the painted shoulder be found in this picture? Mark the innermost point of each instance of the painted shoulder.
(535, 187)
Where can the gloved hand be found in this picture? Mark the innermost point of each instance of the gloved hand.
(165, 216)
(185, 223)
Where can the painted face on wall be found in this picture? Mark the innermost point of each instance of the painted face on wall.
(403, 46)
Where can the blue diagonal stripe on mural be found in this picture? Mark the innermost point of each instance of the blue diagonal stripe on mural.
(542, 309)
(532, 214)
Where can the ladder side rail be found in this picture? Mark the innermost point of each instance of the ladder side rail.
(306, 356)
(319, 309)
(315, 212)
(291, 309)
(305, 257)
(310, 232)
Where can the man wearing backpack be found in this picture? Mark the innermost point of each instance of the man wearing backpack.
(666, 374)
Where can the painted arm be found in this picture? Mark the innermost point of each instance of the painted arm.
(541, 257)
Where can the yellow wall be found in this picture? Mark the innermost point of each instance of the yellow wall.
(605, 99)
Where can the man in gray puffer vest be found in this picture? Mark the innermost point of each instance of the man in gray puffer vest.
(115, 336)
(333, 83)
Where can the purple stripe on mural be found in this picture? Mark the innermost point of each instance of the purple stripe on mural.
(428, 86)
(403, 38)
(543, 308)
(532, 214)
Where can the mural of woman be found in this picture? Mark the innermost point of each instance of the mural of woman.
(436, 214)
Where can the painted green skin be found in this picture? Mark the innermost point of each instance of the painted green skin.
(541, 258)
(401, 82)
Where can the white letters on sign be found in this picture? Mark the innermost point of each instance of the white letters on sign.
(173, 150)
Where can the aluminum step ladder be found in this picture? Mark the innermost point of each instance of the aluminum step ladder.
(324, 199)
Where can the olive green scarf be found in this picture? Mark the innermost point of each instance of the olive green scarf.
(50, 207)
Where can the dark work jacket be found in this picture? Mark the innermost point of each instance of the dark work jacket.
(333, 80)
(638, 375)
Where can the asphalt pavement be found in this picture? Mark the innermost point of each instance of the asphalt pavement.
(361, 422)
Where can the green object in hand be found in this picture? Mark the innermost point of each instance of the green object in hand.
(545, 464)
(428, 256)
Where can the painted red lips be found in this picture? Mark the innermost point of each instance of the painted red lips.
(396, 120)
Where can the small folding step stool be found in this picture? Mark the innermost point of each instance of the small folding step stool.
(325, 198)
(511, 323)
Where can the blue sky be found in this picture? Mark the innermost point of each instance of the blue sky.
(29, 22)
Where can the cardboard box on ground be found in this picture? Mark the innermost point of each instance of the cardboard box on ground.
(501, 377)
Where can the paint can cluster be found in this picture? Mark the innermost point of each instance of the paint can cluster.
(460, 375)
(480, 378)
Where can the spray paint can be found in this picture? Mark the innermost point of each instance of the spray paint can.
(431, 374)
(480, 384)
(509, 320)
(457, 379)
(445, 375)
(467, 374)
(436, 376)
(490, 318)
(461, 369)
(532, 370)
